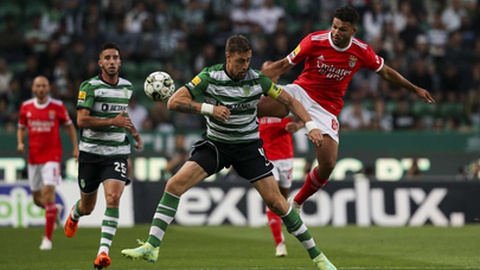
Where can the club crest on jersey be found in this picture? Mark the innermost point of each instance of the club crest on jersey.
(51, 114)
(353, 61)
(246, 89)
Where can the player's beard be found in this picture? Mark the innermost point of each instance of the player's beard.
(110, 73)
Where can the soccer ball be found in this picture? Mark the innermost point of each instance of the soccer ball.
(159, 86)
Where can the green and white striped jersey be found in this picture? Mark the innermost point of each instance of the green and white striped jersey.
(240, 97)
(104, 101)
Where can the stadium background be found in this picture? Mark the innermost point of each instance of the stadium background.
(401, 145)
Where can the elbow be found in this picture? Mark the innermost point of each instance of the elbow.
(80, 123)
(170, 104)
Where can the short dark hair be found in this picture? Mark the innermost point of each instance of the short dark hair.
(238, 43)
(109, 45)
(347, 14)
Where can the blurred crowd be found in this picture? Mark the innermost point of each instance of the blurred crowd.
(434, 43)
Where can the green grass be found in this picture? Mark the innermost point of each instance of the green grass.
(227, 247)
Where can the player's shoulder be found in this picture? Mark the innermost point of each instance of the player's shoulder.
(56, 102)
(359, 44)
(28, 102)
(91, 82)
(318, 36)
(124, 82)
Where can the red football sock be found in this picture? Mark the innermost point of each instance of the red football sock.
(312, 184)
(50, 216)
(275, 223)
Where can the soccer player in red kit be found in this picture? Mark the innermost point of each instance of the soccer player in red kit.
(331, 58)
(42, 117)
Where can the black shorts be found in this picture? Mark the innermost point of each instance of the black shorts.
(248, 159)
(94, 169)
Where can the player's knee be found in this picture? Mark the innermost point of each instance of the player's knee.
(113, 199)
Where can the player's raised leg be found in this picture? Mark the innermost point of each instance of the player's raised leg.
(268, 189)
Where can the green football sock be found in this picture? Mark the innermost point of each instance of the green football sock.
(166, 209)
(297, 228)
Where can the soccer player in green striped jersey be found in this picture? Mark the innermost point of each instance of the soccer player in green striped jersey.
(104, 146)
(230, 94)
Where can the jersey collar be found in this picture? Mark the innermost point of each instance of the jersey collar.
(335, 46)
(41, 106)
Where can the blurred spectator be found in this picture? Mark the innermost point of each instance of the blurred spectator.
(381, 119)
(11, 40)
(401, 15)
(135, 16)
(452, 15)
(178, 156)
(403, 118)
(36, 38)
(268, 15)
(373, 20)
(137, 112)
(5, 77)
(437, 38)
(242, 17)
(355, 117)
(26, 77)
(125, 40)
(411, 31)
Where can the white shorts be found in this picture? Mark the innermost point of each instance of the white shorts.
(282, 171)
(47, 174)
(327, 122)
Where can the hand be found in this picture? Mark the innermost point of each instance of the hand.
(122, 120)
(293, 127)
(316, 136)
(221, 113)
(21, 148)
(139, 143)
(75, 153)
(425, 95)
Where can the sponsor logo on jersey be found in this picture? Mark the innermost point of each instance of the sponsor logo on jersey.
(295, 52)
(353, 61)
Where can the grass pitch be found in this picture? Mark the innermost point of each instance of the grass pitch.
(227, 247)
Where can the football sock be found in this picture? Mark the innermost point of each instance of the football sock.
(312, 184)
(166, 209)
(50, 217)
(275, 223)
(76, 213)
(297, 228)
(109, 228)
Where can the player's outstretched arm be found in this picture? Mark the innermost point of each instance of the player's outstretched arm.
(182, 101)
(72, 134)
(21, 140)
(393, 76)
(314, 133)
(275, 69)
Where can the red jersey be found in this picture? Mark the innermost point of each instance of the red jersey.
(277, 142)
(42, 122)
(328, 68)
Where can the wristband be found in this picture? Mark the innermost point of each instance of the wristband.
(206, 109)
(310, 125)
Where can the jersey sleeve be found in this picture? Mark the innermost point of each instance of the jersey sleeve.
(22, 117)
(301, 51)
(63, 115)
(372, 61)
(199, 84)
(268, 87)
(86, 96)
